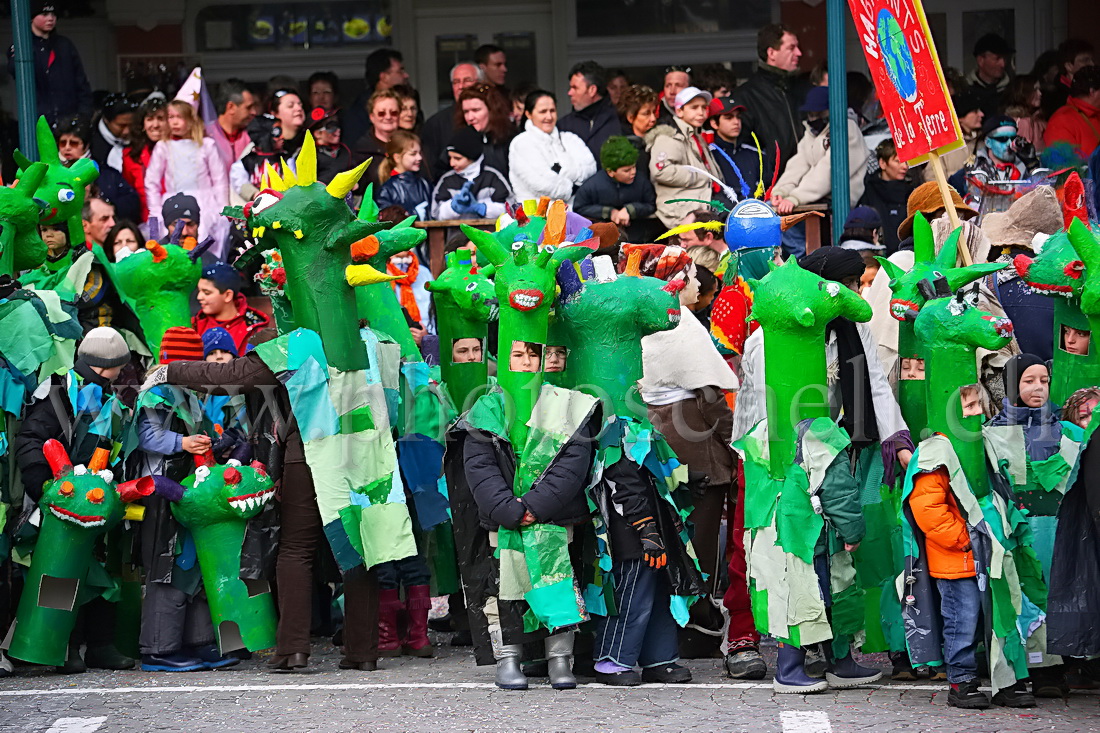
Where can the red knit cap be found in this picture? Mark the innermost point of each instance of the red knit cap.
(180, 344)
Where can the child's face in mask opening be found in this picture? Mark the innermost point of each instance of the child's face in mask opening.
(524, 357)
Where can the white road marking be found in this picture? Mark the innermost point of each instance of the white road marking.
(159, 690)
(76, 725)
(808, 722)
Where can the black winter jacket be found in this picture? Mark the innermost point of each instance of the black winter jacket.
(601, 193)
(890, 199)
(631, 488)
(332, 160)
(52, 417)
(772, 98)
(434, 136)
(593, 124)
(60, 84)
(558, 497)
(747, 160)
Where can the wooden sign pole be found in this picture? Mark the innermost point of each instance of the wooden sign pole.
(949, 204)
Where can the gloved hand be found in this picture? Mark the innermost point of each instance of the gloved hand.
(697, 483)
(1025, 151)
(464, 199)
(652, 545)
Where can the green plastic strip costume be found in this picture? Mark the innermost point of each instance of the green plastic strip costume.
(950, 330)
(340, 411)
(216, 505)
(789, 457)
(534, 560)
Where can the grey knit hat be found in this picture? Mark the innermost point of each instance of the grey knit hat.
(104, 347)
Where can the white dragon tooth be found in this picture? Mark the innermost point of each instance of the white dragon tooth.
(251, 501)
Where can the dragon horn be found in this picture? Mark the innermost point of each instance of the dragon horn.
(344, 182)
(307, 162)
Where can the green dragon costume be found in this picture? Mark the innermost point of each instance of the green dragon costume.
(949, 330)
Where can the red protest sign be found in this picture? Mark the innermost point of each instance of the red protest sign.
(906, 71)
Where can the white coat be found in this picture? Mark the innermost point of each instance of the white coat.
(532, 157)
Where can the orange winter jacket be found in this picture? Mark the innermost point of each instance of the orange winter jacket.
(937, 514)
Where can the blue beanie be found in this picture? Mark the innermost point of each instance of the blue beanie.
(225, 277)
(214, 339)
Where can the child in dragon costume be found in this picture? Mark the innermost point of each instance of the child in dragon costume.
(967, 546)
(648, 570)
(1033, 452)
(340, 478)
(527, 452)
(802, 509)
(81, 414)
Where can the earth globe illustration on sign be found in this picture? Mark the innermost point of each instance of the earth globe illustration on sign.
(896, 55)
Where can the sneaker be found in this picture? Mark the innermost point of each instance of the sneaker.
(211, 658)
(670, 673)
(1016, 696)
(176, 662)
(746, 664)
(626, 678)
(107, 657)
(967, 696)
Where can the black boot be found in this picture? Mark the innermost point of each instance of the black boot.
(967, 696)
(1016, 696)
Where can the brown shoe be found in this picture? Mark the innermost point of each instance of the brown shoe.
(346, 663)
(289, 662)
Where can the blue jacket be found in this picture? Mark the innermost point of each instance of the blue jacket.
(407, 190)
(1042, 431)
(601, 193)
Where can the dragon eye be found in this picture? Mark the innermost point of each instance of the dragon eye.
(471, 287)
(265, 200)
(65, 195)
(517, 246)
(971, 299)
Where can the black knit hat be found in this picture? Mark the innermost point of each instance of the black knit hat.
(467, 142)
(180, 206)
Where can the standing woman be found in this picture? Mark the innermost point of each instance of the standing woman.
(186, 161)
(1025, 99)
(638, 110)
(287, 108)
(384, 109)
(485, 108)
(543, 161)
(150, 128)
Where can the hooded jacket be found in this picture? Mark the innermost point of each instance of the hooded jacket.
(550, 164)
(246, 322)
(1078, 124)
(807, 178)
(601, 193)
(946, 537)
(989, 95)
(671, 151)
(593, 124)
(489, 187)
(772, 98)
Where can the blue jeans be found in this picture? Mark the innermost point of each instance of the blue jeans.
(404, 573)
(644, 633)
(794, 241)
(960, 607)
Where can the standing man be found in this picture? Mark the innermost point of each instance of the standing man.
(773, 94)
(676, 78)
(1074, 54)
(989, 79)
(99, 219)
(236, 108)
(1078, 122)
(593, 118)
(61, 86)
(438, 128)
(493, 63)
(385, 69)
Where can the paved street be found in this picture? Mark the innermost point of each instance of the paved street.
(449, 693)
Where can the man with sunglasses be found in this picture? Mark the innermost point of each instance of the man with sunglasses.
(61, 86)
(1001, 155)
